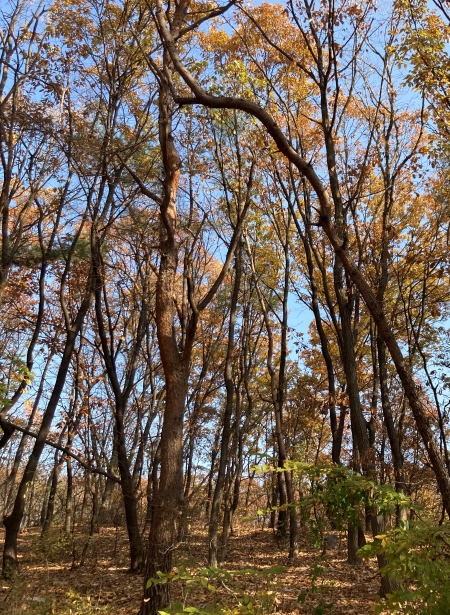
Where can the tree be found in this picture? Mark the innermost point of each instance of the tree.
(170, 35)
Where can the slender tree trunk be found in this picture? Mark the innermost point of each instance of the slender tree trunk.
(214, 453)
(153, 483)
(93, 525)
(226, 431)
(50, 508)
(69, 516)
(273, 502)
(281, 529)
(129, 501)
(187, 486)
(105, 513)
(45, 497)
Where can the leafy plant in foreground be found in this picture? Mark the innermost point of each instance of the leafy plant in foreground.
(242, 602)
(419, 559)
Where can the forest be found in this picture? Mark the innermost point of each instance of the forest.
(225, 307)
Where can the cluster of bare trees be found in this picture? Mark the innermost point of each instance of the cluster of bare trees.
(169, 194)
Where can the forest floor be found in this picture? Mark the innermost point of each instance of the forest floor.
(48, 586)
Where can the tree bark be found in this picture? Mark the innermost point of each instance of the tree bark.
(168, 501)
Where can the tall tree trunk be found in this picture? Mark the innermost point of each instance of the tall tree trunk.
(188, 482)
(168, 501)
(175, 353)
(226, 430)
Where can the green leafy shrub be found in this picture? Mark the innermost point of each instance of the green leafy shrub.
(336, 493)
(419, 559)
(53, 546)
(260, 599)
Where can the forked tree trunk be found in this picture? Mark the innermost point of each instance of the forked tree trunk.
(175, 355)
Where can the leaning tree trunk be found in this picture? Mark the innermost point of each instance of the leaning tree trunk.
(13, 521)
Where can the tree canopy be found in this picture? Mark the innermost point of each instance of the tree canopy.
(225, 279)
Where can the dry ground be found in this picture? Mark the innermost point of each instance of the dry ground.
(48, 584)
